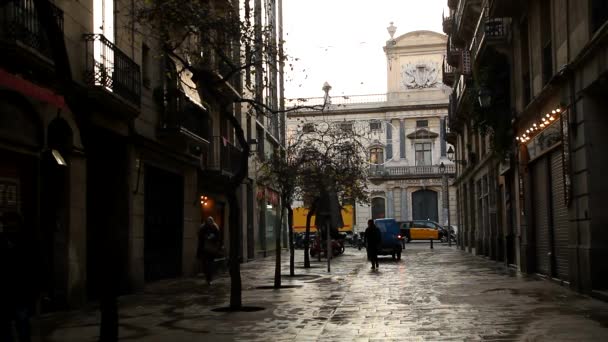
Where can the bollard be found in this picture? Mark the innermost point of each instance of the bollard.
(431, 243)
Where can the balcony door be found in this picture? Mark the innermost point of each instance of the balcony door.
(424, 205)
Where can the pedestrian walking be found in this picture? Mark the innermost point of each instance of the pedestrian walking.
(209, 246)
(18, 290)
(373, 239)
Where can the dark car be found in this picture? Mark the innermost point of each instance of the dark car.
(391, 244)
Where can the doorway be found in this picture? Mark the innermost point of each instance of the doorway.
(424, 205)
(163, 224)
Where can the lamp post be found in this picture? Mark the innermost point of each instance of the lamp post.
(446, 201)
(326, 100)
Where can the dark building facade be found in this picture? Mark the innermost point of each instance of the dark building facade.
(526, 117)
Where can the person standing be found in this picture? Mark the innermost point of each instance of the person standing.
(373, 239)
(18, 273)
(209, 244)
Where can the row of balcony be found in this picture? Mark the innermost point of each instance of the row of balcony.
(106, 66)
(380, 171)
(109, 71)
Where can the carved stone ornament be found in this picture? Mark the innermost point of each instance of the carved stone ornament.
(420, 75)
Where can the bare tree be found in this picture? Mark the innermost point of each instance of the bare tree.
(331, 156)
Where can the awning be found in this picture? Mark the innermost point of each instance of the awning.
(186, 83)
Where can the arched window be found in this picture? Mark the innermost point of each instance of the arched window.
(376, 155)
(378, 208)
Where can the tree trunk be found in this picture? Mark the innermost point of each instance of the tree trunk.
(234, 265)
(235, 228)
(277, 265)
(307, 236)
(291, 246)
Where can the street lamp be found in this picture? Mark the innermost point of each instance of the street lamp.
(326, 100)
(485, 97)
(451, 154)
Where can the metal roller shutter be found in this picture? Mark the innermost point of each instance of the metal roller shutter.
(560, 216)
(540, 208)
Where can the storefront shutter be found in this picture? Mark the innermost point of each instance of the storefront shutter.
(560, 216)
(540, 209)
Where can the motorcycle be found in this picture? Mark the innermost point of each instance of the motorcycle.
(445, 233)
(318, 246)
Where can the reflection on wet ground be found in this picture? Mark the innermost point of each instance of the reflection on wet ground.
(430, 295)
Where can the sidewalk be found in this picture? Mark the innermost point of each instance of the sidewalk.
(430, 295)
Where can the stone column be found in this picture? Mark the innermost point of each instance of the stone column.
(402, 139)
(404, 206)
(389, 140)
(389, 204)
(442, 141)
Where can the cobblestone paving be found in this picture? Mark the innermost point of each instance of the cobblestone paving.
(430, 295)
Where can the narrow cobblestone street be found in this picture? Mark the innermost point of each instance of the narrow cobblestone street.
(431, 295)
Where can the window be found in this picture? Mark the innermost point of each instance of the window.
(378, 208)
(375, 126)
(422, 123)
(308, 128)
(346, 126)
(525, 63)
(423, 154)
(599, 14)
(261, 142)
(145, 65)
(376, 156)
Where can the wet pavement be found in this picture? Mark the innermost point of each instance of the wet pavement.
(430, 295)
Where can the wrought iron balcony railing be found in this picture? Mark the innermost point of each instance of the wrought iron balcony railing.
(490, 31)
(20, 23)
(224, 156)
(186, 118)
(398, 171)
(449, 73)
(109, 68)
(454, 54)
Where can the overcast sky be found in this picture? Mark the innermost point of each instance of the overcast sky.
(340, 41)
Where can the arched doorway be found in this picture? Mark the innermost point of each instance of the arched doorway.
(424, 205)
(378, 208)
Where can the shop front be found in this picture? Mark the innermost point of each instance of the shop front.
(269, 216)
(550, 182)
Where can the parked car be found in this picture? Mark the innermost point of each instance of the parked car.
(421, 230)
(391, 243)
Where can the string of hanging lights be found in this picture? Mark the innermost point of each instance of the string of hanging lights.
(536, 128)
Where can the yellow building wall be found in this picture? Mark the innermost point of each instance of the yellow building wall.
(299, 220)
